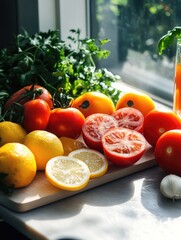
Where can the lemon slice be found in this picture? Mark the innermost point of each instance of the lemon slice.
(67, 173)
(96, 161)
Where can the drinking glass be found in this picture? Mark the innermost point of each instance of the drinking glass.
(177, 81)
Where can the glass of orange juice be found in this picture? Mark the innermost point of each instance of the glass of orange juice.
(177, 81)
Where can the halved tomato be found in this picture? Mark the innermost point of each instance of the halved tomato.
(94, 127)
(130, 118)
(123, 146)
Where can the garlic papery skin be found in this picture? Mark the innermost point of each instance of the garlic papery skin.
(170, 186)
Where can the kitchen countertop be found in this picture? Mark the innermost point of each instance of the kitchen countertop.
(130, 208)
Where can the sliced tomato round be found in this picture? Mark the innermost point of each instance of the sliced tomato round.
(123, 146)
(130, 118)
(94, 127)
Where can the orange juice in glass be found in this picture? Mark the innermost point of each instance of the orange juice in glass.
(177, 81)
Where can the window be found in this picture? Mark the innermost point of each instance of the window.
(134, 28)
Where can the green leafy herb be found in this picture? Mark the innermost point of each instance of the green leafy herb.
(168, 39)
(65, 71)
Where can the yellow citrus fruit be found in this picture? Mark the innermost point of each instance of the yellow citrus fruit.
(44, 145)
(93, 102)
(138, 100)
(67, 173)
(70, 144)
(18, 162)
(11, 132)
(96, 161)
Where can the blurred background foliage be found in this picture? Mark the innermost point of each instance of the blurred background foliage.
(140, 23)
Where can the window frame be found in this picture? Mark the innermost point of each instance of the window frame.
(67, 14)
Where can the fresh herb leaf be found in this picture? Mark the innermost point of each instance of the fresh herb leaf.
(168, 39)
(65, 71)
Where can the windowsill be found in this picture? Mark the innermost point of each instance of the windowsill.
(140, 71)
(124, 86)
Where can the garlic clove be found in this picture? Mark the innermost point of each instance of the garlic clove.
(170, 186)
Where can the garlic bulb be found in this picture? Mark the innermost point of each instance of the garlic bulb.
(170, 186)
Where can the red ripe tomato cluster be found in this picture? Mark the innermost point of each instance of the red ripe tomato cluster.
(162, 129)
(39, 114)
(121, 133)
(124, 141)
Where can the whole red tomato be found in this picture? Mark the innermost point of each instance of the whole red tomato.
(20, 97)
(158, 122)
(66, 122)
(36, 115)
(168, 152)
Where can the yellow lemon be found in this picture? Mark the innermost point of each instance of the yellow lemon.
(70, 144)
(44, 145)
(18, 162)
(96, 161)
(11, 132)
(67, 173)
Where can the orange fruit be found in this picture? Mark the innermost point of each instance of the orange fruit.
(44, 145)
(93, 102)
(67, 173)
(71, 144)
(18, 162)
(138, 100)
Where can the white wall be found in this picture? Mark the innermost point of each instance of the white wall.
(72, 16)
(63, 15)
(47, 15)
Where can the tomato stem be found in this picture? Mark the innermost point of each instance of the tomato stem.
(14, 113)
(85, 104)
(130, 103)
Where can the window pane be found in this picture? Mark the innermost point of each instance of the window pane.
(134, 28)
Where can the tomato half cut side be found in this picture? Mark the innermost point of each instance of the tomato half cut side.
(130, 118)
(123, 147)
(94, 127)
